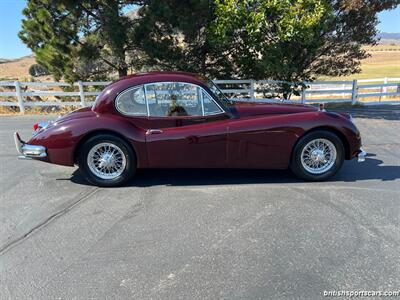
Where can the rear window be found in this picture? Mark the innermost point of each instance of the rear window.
(132, 102)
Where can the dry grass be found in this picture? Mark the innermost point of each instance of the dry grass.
(44, 110)
(383, 47)
(382, 63)
(16, 69)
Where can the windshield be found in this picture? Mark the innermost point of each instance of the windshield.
(220, 95)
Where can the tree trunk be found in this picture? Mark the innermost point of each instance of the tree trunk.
(122, 72)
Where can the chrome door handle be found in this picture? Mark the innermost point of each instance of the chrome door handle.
(153, 131)
(199, 120)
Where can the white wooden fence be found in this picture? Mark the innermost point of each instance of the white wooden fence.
(368, 92)
(19, 94)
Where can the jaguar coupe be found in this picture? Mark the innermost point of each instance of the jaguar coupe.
(177, 120)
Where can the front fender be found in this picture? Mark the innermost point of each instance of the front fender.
(337, 123)
(278, 134)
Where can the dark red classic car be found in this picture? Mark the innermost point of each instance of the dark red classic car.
(175, 120)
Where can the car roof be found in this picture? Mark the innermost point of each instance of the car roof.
(105, 101)
(157, 76)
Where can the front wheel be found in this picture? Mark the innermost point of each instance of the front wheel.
(107, 160)
(317, 156)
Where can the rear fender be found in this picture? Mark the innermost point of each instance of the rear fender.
(61, 140)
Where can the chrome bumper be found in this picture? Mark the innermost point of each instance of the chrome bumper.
(28, 151)
(361, 156)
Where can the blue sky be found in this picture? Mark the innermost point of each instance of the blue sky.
(11, 15)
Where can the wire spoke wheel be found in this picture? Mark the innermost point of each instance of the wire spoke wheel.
(106, 160)
(318, 156)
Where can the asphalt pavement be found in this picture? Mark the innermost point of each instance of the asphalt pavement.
(201, 234)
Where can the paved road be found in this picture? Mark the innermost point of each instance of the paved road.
(200, 234)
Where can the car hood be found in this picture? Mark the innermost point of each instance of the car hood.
(245, 109)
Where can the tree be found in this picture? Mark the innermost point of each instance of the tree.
(79, 39)
(37, 70)
(298, 40)
(288, 40)
(177, 35)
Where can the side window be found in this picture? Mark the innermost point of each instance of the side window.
(210, 107)
(132, 102)
(173, 99)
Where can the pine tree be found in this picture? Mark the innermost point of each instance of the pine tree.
(79, 39)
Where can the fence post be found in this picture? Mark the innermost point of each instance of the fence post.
(81, 93)
(252, 95)
(343, 88)
(19, 97)
(303, 95)
(384, 90)
(354, 92)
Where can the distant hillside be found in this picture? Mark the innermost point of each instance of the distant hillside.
(18, 69)
(389, 35)
(387, 38)
(5, 60)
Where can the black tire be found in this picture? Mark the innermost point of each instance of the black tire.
(296, 164)
(130, 158)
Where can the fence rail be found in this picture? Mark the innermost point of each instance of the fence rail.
(380, 90)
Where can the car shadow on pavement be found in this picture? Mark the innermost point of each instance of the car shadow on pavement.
(371, 169)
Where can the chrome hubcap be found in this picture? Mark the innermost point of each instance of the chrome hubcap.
(318, 156)
(106, 161)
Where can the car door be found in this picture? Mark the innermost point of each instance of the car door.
(262, 142)
(186, 128)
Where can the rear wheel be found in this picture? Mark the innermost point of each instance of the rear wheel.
(107, 160)
(317, 156)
